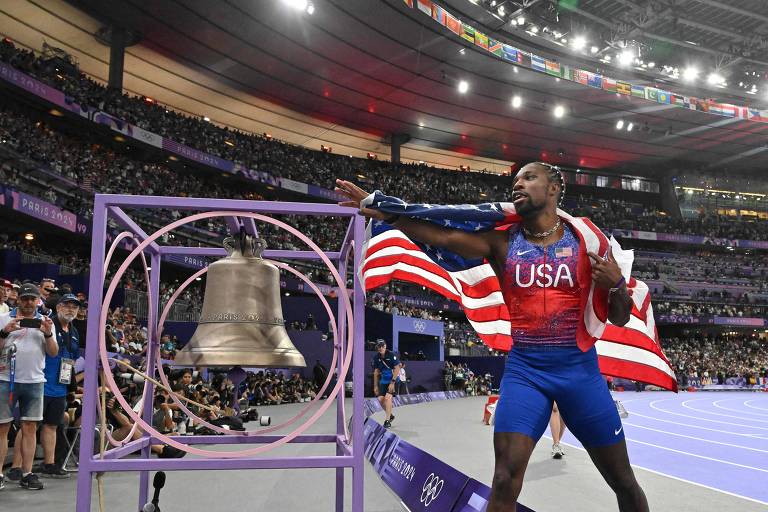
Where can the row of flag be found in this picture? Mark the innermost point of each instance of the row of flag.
(595, 80)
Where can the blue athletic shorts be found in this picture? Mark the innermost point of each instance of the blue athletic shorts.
(534, 378)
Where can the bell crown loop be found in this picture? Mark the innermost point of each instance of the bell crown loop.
(245, 245)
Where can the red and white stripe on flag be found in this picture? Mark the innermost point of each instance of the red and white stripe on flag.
(629, 352)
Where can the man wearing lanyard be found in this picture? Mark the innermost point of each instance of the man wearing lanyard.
(58, 376)
(25, 339)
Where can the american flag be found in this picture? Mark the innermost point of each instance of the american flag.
(631, 352)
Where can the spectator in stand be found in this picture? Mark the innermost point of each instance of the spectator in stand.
(28, 337)
(5, 287)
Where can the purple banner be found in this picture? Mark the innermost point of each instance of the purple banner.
(689, 239)
(44, 211)
(197, 156)
(196, 262)
(38, 88)
(420, 480)
(739, 321)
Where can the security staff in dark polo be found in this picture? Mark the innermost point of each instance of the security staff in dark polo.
(386, 366)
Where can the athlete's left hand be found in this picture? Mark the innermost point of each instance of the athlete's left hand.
(605, 272)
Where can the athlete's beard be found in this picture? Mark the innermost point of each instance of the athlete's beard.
(529, 208)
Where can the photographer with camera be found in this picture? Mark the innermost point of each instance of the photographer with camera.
(26, 337)
(58, 377)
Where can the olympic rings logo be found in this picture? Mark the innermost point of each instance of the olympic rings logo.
(419, 325)
(431, 489)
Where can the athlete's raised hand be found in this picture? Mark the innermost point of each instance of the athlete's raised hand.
(605, 271)
(354, 195)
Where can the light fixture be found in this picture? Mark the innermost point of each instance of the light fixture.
(690, 73)
(534, 29)
(421, 125)
(619, 124)
(651, 65)
(715, 78)
(630, 126)
(463, 86)
(206, 118)
(559, 111)
(594, 49)
(521, 20)
(311, 9)
(626, 57)
(297, 4)
(501, 10)
(29, 237)
(517, 101)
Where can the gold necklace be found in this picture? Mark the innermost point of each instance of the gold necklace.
(543, 234)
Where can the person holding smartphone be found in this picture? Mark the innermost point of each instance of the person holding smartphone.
(26, 337)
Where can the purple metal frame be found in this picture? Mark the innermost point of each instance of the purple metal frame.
(347, 456)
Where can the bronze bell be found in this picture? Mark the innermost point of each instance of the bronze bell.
(242, 320)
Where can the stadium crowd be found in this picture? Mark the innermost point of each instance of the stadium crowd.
(260, 152)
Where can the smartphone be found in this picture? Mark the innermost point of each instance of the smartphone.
(33, 323)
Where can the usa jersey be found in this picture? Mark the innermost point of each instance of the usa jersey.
(541, 290)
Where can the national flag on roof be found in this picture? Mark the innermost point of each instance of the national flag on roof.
(409, 3)
(624, 88)
(631, 351)
(553, 68)
(538, 63)
(439, 14)
(425, 6)
(638, 91)
(467, 32)
(595, 80)
(723, 109)
(481, 40)
(581, 76)
(512, 54)
(496, 47)
(452, 23)
(678, 100)
(609, 84)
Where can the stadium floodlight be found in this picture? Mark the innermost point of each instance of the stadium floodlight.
(521, 20)
(715, 78)
(300, 5)
(559, 111)
(463, 86)
(626, 57)
(690, 73)
(594, 49)
(619, 124)
(630, 126)
(517, 101)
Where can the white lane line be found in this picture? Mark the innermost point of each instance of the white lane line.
(656, 472)
(752, 406)
(695, 426)
(695, 438)
(685, 404)
(699, 456)
(730, 423)
(742, 411)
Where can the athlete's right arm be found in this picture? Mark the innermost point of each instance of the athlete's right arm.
(466, 245)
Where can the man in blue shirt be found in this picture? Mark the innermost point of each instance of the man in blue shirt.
(58, 374)
(386, 366)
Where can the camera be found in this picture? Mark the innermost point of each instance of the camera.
(32, 323)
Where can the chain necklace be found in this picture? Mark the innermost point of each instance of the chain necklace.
(543, 234)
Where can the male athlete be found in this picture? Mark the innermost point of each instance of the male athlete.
(547, 274)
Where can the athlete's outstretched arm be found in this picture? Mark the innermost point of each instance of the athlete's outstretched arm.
(467, 245)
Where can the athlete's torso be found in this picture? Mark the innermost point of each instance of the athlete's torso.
(541, 290)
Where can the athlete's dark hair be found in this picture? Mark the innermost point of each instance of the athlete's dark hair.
(555, 175)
